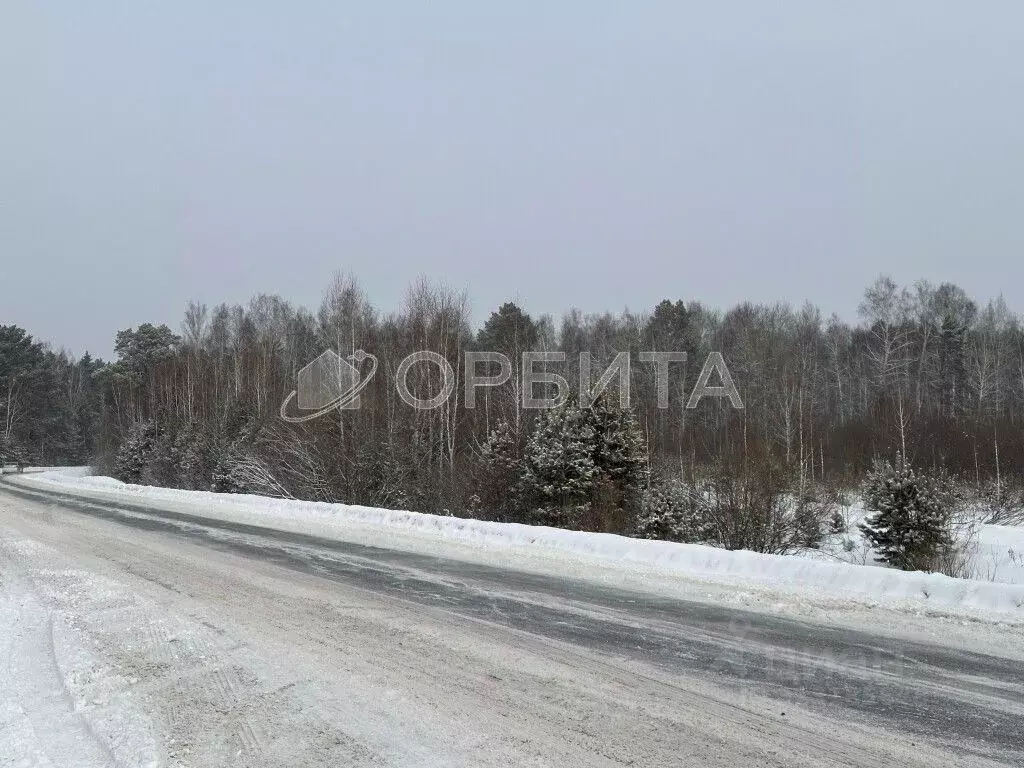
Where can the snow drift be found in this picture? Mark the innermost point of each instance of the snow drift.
(571, 553)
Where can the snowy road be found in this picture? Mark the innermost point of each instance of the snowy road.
(132, 637)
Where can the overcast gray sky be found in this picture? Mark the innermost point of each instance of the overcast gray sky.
(586, 153)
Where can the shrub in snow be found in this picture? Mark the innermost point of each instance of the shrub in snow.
(242, 472)
(815, 514)
(227, 475)
(751, 503)
(749, 506)
(1001, 503)
(381, 479)
(910, 525)
(233, 462)
(809, 519)
(836, 523)
(671, 511)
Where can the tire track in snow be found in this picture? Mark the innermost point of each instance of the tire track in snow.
(67, 737)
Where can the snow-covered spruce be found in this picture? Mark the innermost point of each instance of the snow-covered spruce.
(909, 528)
(585, 468)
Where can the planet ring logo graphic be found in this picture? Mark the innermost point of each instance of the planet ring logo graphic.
(329, 383)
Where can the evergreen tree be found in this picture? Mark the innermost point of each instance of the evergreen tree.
(229, 474)
(499, 493)
(666, 512)
(620, 452)
(134, 455)
(239, 467)
(621, 460)
(910, 524)
(585, 468)
(560, 472)
(69, 441)
(139, 350)
(23, 387)
(509, 330)
(192, 449)
(162, 464)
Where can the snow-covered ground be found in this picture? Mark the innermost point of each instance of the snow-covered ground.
(130, 642)
(127, 646)
(841, 574)
(118, 654)
(61, 703)
(994, 553)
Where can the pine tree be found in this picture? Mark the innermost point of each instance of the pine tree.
(242, 466)
(910, 525)
(560, 472)
(665, 513)
(380, 478)
(623, 475)
(228, 475)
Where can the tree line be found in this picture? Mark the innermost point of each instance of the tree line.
(50, 403)
(925, 372)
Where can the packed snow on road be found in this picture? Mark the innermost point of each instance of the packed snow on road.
(833, 573)
(153, 627)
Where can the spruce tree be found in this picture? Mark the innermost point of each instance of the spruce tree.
(560, 471)
(499, 494)
(193, 452)
(585, 467)
(909, 527)
(664, 513)
(229, 475)
(134, 454)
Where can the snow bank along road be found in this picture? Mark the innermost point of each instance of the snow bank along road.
(131, 637)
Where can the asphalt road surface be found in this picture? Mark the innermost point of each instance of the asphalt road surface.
(179, 640)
